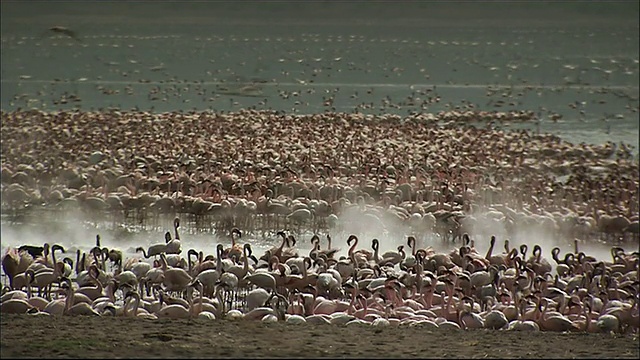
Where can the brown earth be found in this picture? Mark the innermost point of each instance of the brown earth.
(25, 336)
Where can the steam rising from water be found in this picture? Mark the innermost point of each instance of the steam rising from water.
(392, 233)
(76, 230)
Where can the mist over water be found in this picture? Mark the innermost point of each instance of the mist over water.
(579, 60)
(75, 231)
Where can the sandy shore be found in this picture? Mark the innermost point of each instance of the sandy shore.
(100, 337)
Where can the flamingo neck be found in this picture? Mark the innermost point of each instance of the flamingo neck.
(274, 263)
(136, 304)
(55, 265)
(538, 315)
(304, 271)
(299, 310)
(219, 262)
(201, 299)
(284, 240)
(365, 306)
(245, 266)
(353, 247)
(393, 297)
(419, 295)
(587, 315)
(69, 299)
(490, 250)
(450, 300)
(352, 304)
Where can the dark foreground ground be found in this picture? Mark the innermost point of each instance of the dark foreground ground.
(80, 337)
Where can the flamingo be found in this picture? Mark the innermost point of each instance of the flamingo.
(153, 250)
(256, 298)
(563, 267)
(44, 258)
(393, 257)
(263, 280)
(498, 259)
(44, 279)
(555, 322)
(175, 279)
(300, 281)
(34, 251)
(290, 251)
(174, 246)
(79, 308)
(537, 263)
(330, 251)
(173, 311)
(495, 319)
(92, 292)
(524, 321)
(241, 271)
(136, 311)
(14, 263)
(467, 318)
(346, 266)
(16, 306)
(235, 250)
(228, 282)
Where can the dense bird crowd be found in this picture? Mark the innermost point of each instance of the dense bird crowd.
(263, 171)
(460, 289)
(255, 171)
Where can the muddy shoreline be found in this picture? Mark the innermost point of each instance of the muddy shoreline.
(100, 337)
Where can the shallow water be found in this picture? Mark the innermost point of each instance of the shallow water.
(75, 231)
(579, 60)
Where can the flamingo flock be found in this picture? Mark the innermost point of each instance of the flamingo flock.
(263, 171)
(510, 289)
(332, 183)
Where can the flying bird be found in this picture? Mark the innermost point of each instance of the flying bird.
(65, 31)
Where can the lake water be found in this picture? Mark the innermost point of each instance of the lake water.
(579, 60)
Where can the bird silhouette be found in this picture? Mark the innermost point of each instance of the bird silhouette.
(65, 31)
